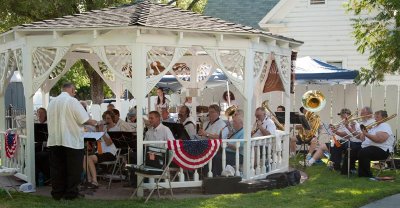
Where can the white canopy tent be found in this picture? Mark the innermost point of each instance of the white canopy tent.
(133, 47)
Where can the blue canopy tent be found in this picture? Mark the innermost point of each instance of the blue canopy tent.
(310, 70)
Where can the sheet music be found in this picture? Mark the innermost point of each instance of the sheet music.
(94, 135)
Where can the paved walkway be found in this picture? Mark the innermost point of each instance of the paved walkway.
(388, 202)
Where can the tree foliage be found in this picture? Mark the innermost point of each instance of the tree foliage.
(377, 31)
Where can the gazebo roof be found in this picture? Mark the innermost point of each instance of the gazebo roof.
(145, 14)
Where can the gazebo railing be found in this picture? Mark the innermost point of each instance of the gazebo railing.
(20, 156)
(267, 156)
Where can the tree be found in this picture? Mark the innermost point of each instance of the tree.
(377, 30)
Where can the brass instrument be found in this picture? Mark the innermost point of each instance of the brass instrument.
(231, 111)
(255, 128)
(278, 125)
(376, 123)
(313, 101)
(349, 118)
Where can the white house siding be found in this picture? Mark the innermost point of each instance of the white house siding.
(325, 30)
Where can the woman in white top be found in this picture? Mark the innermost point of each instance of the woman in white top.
(377, 144)
(162, 101)
(106, 149)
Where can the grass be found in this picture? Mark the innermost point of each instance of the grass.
(323, 189)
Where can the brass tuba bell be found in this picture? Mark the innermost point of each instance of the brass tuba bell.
(313, 100)
(231, 111)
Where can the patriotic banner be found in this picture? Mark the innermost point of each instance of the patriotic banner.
(10, 143)
(193, 154)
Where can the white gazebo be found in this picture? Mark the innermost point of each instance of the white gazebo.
(133, 47)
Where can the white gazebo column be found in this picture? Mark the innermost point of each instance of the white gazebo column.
(45, 98)
(30, 143)
(138, 82)
(2, 114)
(248, 111)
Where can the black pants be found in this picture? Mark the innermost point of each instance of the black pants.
(366, 155)
(355, 148)
(42, 164)
(337, 155)
(65, 169)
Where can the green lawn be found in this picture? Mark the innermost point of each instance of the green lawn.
(323, 189)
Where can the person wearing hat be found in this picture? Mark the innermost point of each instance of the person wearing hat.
(343, 131)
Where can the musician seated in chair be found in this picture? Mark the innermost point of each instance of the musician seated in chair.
(355, 140)
(264, 125)
(157, 130)
(187, 121)
(215, 128)
(230, 151)
(106, 149)
(377, 143)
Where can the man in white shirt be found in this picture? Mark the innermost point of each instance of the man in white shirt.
(215, 128)
(187, 121)
(265, 125)
(66, 118)
(157, 131)
(377, 144)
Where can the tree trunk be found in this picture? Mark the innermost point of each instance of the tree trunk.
(96, 83)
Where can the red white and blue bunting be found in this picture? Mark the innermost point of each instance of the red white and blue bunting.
(193, 154)
(10, 143)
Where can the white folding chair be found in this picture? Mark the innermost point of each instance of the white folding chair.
(382, 164)
(117, 168)
(160, 173)
(7, 173)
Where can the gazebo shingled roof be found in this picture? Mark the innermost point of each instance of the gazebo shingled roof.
(146, 14)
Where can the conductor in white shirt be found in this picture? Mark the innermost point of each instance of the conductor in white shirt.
(66, 119)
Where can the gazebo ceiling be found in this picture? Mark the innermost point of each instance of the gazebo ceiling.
(146, 14)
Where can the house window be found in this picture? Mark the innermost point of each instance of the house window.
(338, 64)
(317, 2)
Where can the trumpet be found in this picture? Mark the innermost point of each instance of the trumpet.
(343, 120)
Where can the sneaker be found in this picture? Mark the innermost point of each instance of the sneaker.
(327, 155)
(308, 157)
(307, 163)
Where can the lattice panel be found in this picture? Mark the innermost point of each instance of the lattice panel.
(18, 57)
(11, 66)
(259, 61)
(233, 62)
(58, 69)
(264, 72)
(120, 59)
(3, 63)
(284, 68)
(158, 59)
(42, 59)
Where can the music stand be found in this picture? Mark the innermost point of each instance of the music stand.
(296, 118)
(178, 130)
(90, 137)
(280, 116)
(123, 139)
